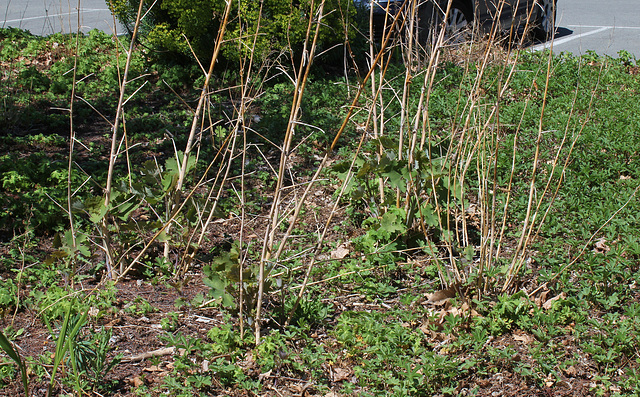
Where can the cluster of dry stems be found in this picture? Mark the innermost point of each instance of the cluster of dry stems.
(476, 129)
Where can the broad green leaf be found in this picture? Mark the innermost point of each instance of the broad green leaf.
(7, 347)
(429, 215)
(393, 221)
(125, 209)
(469, 252)
(95, 208)
(217, 285)
(397, 180)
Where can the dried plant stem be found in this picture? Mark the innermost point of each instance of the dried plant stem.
(203, 95)
(334, 210)
(195, 123)
(104, 227)
(373, 112)
(536, 223)
(212, 200)
(316, 176)
(177, 210)
(308, 54)
(243, 209)
(72, 140)
(518, 257)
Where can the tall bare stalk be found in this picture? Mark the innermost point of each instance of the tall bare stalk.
(475, 144)
(113, 155)
(72, 140)
(321, 167)
(195, 122)
(245, 80)
(307, 57)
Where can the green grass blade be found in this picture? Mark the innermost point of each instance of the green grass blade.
(71, 347)
(7, 347)
(61, 347)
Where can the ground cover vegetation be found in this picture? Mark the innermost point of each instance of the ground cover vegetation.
(451, 220)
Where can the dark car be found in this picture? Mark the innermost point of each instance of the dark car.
(538, 15)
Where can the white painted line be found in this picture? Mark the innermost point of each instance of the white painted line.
(570, 38)
(598, 26)
(56, 15)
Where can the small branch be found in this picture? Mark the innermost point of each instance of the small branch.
(167, 351)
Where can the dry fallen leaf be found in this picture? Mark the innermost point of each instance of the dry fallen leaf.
(264, 375)
(570, 371)
(548, 304)
(543, 296)
(524, 338)
(340, 374)
(564, 383)
(454, 311)
(342, 251)
(467, 309)
(135, 382)
(439, 297)
(601, 246)
(153, 368)
(248, 362)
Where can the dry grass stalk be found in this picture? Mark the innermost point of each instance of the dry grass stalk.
(308, 54)
(104, 229)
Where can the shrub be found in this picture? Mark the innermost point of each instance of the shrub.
(282, 25)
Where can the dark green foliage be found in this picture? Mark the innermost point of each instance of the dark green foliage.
(170, 26)
(323, 109)
(222, 277)
(30, 186)
(391, 357)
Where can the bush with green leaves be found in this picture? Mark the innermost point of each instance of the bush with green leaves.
(172, 28)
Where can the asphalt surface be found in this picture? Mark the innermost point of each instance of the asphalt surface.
(44, 17)
(603, 26)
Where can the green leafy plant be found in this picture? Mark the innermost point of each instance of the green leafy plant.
(69, 252)
(92, 361)
(222, 277)
(277, 26)
(170, 322)
(139, 307)
(187, 375)
(154, 193)
(87, 356)
(65, 343)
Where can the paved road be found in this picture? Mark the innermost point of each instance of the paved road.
(43, 17)
(604, 26)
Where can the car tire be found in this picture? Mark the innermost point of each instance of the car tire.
(545, 21)
(457, 25)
